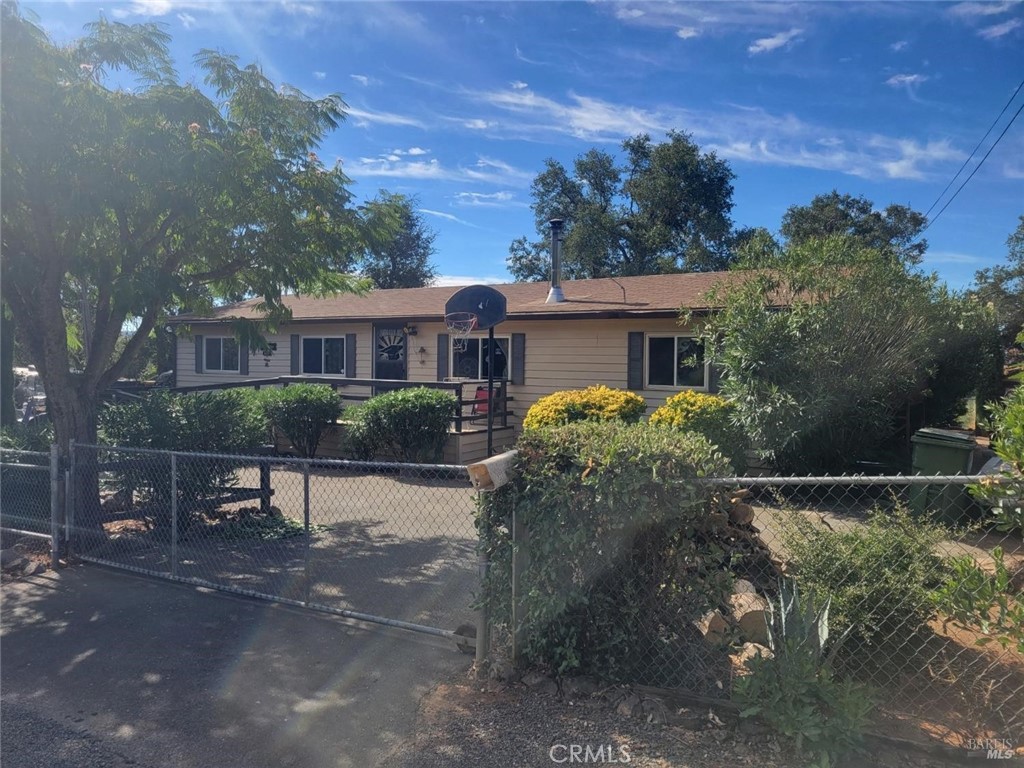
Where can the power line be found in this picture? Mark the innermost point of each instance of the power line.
(975, 150)
(980, 163)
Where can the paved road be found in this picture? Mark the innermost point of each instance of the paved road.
(107, 669)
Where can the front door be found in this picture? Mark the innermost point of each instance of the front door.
(390, 353)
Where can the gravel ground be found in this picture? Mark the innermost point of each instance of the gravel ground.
(467, 723)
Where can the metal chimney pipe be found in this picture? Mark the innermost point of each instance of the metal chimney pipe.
(555, 295)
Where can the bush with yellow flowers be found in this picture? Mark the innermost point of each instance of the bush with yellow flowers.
(709, 415)
(597, 403)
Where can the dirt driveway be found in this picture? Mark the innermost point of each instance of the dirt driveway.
(103, 668)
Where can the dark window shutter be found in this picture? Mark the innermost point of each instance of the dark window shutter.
(350, 355)
(635, 361)
(296, 355)
(243, 359)
(518, 358)
(199, 354)
(442, 356)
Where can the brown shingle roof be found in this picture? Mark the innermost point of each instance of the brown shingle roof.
(647, 295)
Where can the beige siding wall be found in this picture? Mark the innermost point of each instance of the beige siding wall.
(560, 354)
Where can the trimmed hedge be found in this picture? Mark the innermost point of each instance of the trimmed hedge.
(596, 403)
(409, 423)
(302, 412)
(624, 550)
(709, 415)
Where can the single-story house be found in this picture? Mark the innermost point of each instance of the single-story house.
(623, 332)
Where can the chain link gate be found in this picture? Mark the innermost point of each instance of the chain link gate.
(388, 543)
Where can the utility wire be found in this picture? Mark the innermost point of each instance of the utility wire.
(975, 150)
(980, 163)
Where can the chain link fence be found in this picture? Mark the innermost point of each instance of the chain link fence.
(393, 543)
(29, 497)
(926, 594)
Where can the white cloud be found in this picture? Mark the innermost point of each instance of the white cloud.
(912, 155)
(320, 75)
(951, 257)
(365, 117)
(477, 124)
(999, 30)
(628, 13)
(686, 33)
(899, 45)
(905, 81)
(361, 79)
(456, 281)
(391, 165)
(187, 20)
(501, 199)
(446, 216)
(417, 151)
(981, 9)
(735, 132)
(768, 44)
(519, 85)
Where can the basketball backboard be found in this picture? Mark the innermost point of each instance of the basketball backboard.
(488, 304)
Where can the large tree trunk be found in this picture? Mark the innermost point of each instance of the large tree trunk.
(73, 413)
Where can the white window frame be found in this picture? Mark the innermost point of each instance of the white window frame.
(323, 355)
(480, 362)
(672, 387)
(222, 369)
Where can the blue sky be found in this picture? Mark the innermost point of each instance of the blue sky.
(461, 103)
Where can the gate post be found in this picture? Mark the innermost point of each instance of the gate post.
(174, 514)
(55, 506)
(305, 527)
(69, 501)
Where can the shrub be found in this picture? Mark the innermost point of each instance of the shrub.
(597, 403)
(1005, 491)
(879, 576)
(410, 423)
(709, 415)
(302, 412)
(793, 690)
(230, 421)
(624, 551)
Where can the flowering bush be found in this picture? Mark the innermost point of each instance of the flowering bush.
(597, 403)
(711, 416)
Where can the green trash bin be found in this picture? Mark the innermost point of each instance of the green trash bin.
(942, 452)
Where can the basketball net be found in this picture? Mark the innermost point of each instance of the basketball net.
(460, 325)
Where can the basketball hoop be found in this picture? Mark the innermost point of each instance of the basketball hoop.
(460, 325)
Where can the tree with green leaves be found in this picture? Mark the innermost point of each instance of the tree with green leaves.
(401, 256)
(119, 204)
(895, 231)
(664, 209)
(824, 345)
(1003, 287)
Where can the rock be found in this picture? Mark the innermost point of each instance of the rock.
(741, 513)
(742, 657)
(629, 706)
(743, 587)
(31, 568)
(11, 559)
(749, 613)
(118, 502)
(714, 627)
(580, 687)
(653, 711)
(740, 495)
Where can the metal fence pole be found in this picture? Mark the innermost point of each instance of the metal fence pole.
(174, 514)
(54, 506)
(69, 501)
(305, 526)
(483, 618)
